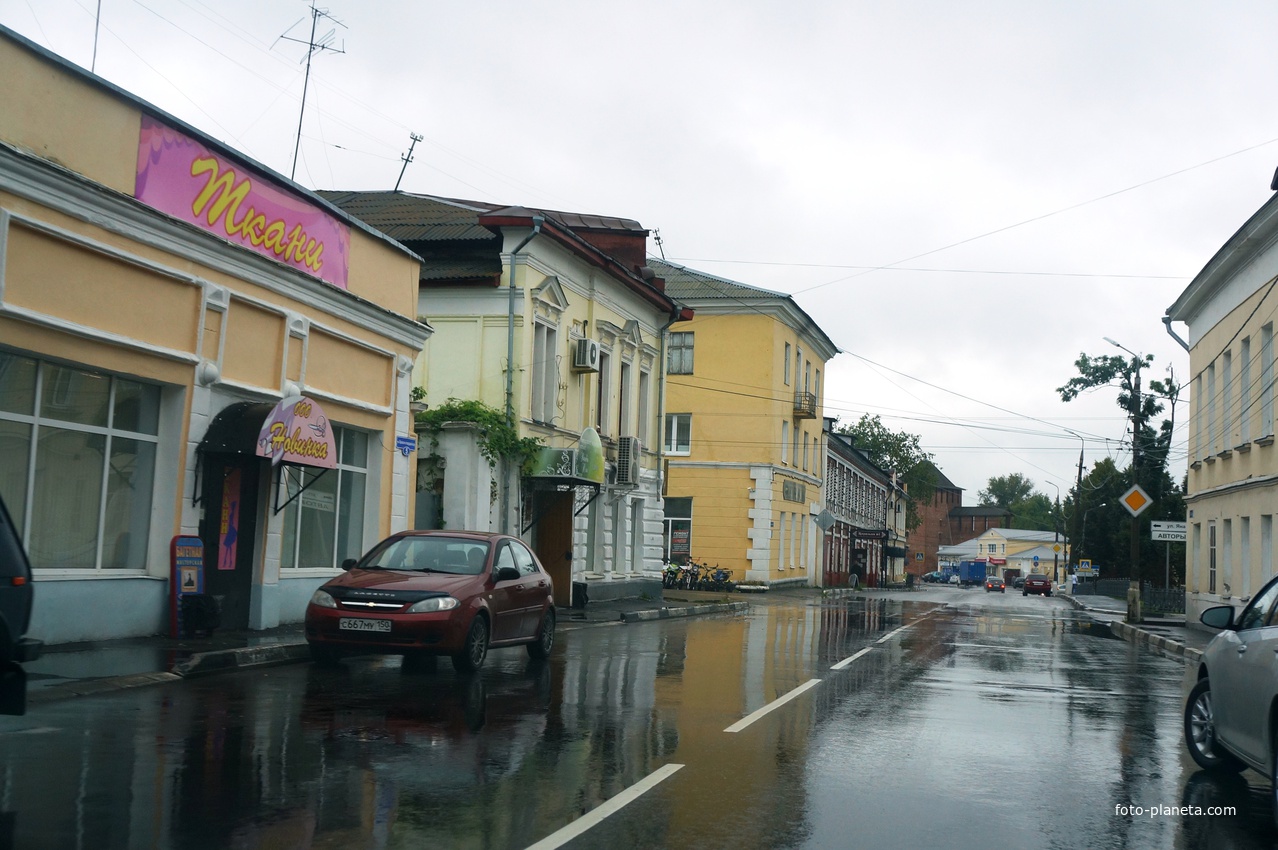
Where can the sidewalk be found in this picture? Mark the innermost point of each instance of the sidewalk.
(77, 669)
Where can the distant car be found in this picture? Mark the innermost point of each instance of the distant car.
(954, 579)
(1018, 582)
(1035, 583)
(1229, 718)
(432, 593)
(16, 595)
(995, 583)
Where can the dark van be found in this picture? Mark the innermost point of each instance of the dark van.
(15, 616)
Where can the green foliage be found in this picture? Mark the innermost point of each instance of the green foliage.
(1106, 540)
(497, 439)
(1035, 512)
(901, 452)
(1003, 491)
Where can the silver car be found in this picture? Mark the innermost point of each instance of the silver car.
(1231, 716)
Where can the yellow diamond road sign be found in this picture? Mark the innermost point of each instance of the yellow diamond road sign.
(1136, 500)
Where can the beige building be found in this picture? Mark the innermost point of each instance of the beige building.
(570, 301)
(1233, 465)
(200, 362)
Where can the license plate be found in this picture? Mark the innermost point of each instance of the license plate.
(352, 624)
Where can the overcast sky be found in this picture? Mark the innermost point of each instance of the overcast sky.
(1037, 175)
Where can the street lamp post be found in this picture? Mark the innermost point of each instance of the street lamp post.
(1082, 543)
(1133, 588)
(1056, 537)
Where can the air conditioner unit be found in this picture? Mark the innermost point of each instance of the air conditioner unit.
(629, 450)
(585, 357)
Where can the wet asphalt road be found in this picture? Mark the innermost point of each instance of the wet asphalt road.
(957, 719)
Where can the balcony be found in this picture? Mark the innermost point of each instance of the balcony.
(804, 405)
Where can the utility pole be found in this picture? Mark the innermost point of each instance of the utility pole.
(312, 47)
(1133, 587)
(408, 157)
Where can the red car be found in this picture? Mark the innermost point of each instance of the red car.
(432, 593)
(1036, 584)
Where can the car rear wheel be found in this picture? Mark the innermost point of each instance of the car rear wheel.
(540, 648)
(475, 650)
(1200, 732)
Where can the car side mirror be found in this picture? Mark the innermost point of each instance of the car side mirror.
(507, 574)
(1219, 617)
(348, 564)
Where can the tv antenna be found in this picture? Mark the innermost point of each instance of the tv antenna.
(313, 46)
(408, 157)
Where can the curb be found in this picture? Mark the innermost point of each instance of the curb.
(684, 611)
(221, 661)
(90, 687)
(1140, 637)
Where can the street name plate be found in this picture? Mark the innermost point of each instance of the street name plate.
(1172, 531)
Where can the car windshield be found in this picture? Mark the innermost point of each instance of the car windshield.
(456, 555)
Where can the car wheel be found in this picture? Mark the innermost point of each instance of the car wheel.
(540, 648)
(1200, 732)
(322, 655)
(475, 649)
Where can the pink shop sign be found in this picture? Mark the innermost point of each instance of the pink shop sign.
(179, 176)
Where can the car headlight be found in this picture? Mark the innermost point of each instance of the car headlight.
(435, 603)
(323, 600)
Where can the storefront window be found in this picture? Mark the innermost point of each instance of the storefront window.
(325, 525)
(678, 527)
(86, 503)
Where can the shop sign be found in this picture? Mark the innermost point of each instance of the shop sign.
(179, 176)
(584, 463)
(297, 431)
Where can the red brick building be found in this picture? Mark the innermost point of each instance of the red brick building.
(945, 522)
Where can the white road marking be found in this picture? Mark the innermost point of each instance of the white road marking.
(772, 706)
(612, 806)
(891, 633)
(845, 662)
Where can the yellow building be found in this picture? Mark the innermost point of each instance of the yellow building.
(204, 368)
(743, 440)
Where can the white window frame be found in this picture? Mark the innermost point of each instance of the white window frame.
(288, 561)
(678, 425)
(37, 421)
(1267, 380)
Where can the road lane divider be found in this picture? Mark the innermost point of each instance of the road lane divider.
(893, 633)
(772, 706)
(845, 662)
(611, 807)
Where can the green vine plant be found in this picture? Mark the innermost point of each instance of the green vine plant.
(497, 439)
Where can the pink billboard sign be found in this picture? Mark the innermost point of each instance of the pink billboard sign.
(297, 431)
(179, 176)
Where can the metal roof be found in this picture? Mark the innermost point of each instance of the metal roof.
(414, 218)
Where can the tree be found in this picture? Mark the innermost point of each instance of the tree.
(901, 452)
(1150, 448)
(1003, 491)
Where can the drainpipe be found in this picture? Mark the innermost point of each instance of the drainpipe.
(1167, 320)
(510, 370)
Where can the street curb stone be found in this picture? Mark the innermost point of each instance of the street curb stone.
(684, 611)
(220, 661)
(1140, 637)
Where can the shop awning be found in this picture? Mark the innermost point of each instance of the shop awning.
(294, 431)
(580, 464)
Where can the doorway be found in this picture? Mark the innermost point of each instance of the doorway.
(229, 532)
(554, 540)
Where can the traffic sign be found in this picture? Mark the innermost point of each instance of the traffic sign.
(1173, 531)
(1136, 500)
(1084, 568)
